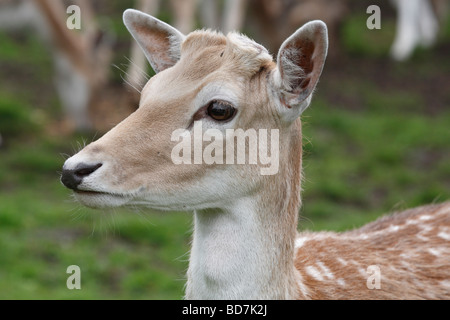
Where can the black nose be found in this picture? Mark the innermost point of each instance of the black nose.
(72, 178)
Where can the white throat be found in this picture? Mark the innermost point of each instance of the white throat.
(237, 255)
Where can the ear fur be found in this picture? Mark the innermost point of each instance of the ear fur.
(299, 65)
(160, 42)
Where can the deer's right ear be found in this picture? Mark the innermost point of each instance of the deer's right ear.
(299, 65)
(160, 42)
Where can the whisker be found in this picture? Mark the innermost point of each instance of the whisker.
(95, 136)
(141, 214)
(116, 214)
(113, 220)
(129, 83)
(65, 156)
(125, 80)
(136, 77)
(141, 71)
(78, 214)
(93, 228)
(183, 258)
(74, 148)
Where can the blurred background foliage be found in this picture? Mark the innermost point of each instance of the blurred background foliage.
(376, 140)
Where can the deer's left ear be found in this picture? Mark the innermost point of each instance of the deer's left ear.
(300, 62)
(160, 42)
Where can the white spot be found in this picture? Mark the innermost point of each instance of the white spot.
(421, 237)
(405, 255)
(393, 228)
(406, 265)
(425, 229)
(341, 282)
(425, 217)
(325, 270)
(313, 272)
(408, 222)
(356, 263)
(444, 235)
(362, 272)
(435, 252)
(342, 261)
(299, 242)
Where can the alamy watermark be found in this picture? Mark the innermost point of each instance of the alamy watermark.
(74, 20)
(234, 146)
(74, 280)
(374, 20)
(374, 277)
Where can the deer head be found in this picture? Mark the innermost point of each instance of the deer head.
(222, 82)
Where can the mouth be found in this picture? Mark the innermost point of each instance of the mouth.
(100, 199)
(94, 193)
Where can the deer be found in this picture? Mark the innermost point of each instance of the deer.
(245, 242)
(80, 59)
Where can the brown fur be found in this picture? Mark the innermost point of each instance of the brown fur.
(398, 244)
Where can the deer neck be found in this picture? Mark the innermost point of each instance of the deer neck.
(245, 250)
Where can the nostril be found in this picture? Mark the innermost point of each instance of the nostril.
(84, 170)
(72, 178)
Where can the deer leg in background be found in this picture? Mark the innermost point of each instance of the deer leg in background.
(71, 81)
(416, 25)
(209, 14)
(234, 15)
(428, 24)
(184, 12)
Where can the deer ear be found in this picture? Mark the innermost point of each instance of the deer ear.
(299, 65)
(160, 42)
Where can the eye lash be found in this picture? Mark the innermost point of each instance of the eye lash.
(222, 102)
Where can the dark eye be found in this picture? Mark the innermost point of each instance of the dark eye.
(221, 110)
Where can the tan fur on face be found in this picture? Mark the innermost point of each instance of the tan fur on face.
(144, 139)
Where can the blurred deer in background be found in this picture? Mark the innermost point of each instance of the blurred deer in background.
(417, 25)
(81, 59)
